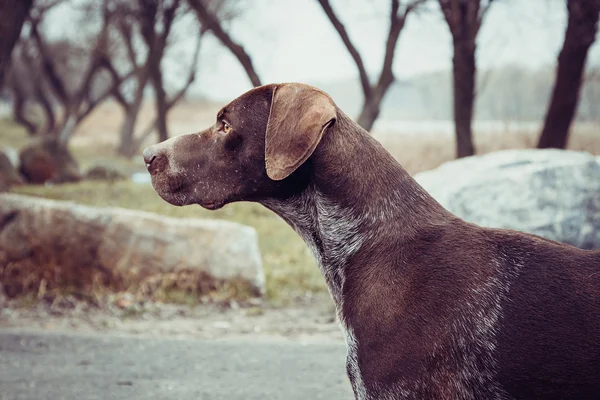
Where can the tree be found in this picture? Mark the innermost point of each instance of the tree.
(582, 26)
(464, 18)
(156, 42)
(152, 22)
(12, 16)
(211, 21)
(58, 72)
(374, 93)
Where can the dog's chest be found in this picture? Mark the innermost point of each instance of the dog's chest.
(459, 364)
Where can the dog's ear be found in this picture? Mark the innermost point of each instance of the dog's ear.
(299, 116)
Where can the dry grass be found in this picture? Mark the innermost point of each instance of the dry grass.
(422, 152)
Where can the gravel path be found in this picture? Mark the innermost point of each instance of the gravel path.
(36, 365)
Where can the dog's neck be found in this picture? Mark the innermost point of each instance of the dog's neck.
(355, 189)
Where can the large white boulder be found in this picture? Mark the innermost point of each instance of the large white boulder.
(551, 193)
(123, 243)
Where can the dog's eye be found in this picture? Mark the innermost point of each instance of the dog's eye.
(225, 127)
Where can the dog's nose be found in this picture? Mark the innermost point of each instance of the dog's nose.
(154, 158)
(149, 156)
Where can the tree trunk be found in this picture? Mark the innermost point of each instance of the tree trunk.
(12, 16)
(127, 145)
(161, 110)
(579, 36)
(68, 128)
(372, 106)
(214, 25)
(161, 101)
(369, 114)
(48, 110)
(464, 94)
(19, 109)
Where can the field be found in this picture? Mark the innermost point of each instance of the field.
(289, 267)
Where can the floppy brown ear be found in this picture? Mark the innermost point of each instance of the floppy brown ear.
(299, 116)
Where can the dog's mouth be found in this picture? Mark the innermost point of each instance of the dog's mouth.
(174, 190)
(211, 205)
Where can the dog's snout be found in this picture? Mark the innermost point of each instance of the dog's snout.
(154, 159)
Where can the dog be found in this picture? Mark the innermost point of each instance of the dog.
(432, 307)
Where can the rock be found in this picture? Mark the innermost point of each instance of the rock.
(551, 193)
(9, 175)
(88, 245)
(46, 160)
(104, 172)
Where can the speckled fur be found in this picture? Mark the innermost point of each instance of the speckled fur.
(432, 307)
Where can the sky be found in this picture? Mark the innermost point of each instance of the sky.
(292, 40)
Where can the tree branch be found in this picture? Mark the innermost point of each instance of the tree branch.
(55, 81)
(19, 104)
(212, 23)
(191, 76)
(103, 96)
(38, 87)
(341, 30)
(107, 64)
(482, 13)
(13, 14)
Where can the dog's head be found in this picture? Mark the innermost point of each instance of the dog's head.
(256, 144)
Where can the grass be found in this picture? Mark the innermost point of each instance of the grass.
(422, 152)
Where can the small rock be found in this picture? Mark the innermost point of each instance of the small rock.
(47, 160)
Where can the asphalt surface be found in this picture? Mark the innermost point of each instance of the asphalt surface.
(38, 365)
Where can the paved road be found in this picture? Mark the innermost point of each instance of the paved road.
(40, 366)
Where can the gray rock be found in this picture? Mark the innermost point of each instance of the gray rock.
(122, 243)
(551, 193)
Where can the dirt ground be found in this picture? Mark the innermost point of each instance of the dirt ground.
(310, 321)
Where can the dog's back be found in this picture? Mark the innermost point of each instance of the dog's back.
(494, 314)
(549, 330)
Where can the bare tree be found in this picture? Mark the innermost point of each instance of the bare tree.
(12, 16)
(464, 18)
(209, 19)
(151, 21)
(374, 93)
(581, 31)
(156, 41)
(58, 72)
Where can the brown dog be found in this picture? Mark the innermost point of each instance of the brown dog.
(432, 307)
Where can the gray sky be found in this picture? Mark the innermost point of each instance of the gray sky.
(292, 40)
